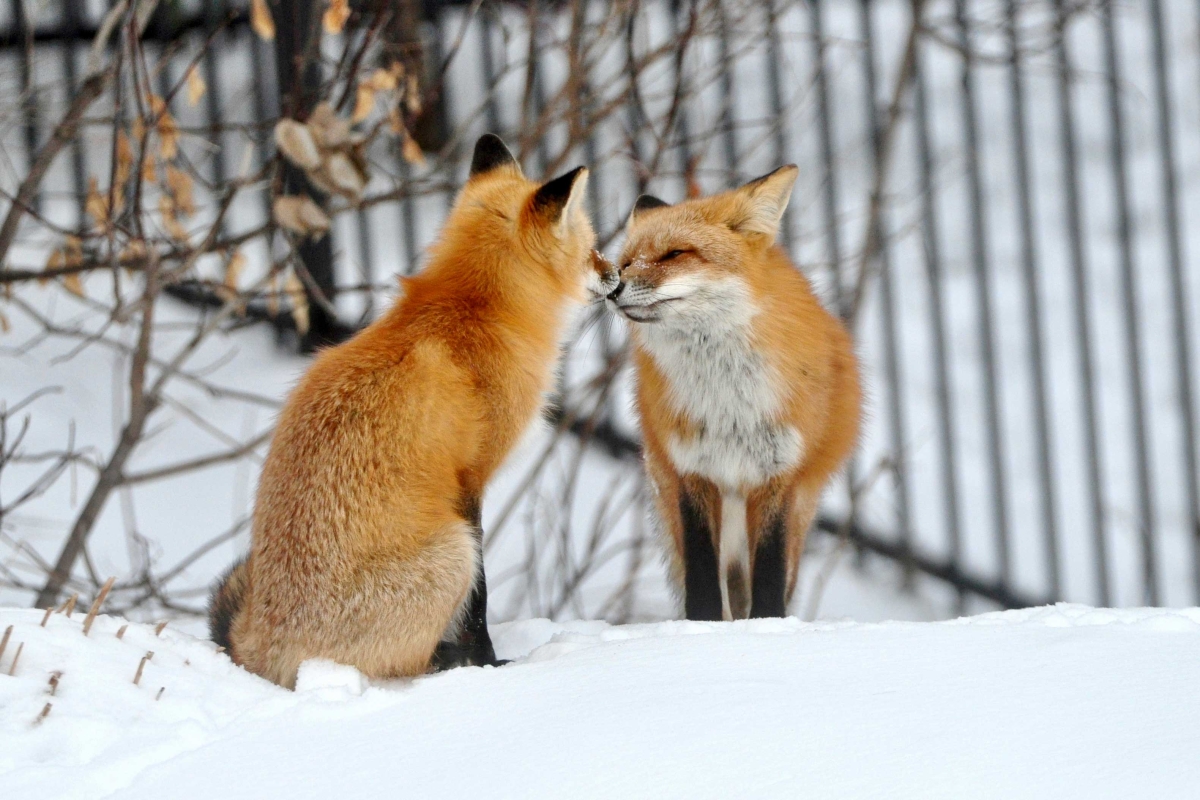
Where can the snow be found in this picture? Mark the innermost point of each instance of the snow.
(1065, 701)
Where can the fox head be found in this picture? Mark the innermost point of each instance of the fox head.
(693, 262)
(499, 210)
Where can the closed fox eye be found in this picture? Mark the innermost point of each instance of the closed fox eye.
(670, 255)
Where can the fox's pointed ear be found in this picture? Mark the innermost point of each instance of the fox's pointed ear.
(647, 202)
(560, 200)
(490, 154)
(764, 200)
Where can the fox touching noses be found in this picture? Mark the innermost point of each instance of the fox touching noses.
(366, 535)
(747, 390)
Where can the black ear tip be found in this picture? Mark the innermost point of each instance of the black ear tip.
(776, 171)
(647, 202)
(554, 194)
(490, 152)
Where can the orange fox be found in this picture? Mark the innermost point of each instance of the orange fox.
(366, 534)
(747, 389)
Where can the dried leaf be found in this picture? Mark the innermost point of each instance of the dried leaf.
(168, 135)
(233, 270)
(295, 140)
(330, 130)
(334, 19)
(150, 170)
(179, 184)
(412, 96)
(73, 284)
(170, 220)
(124, 158)
(364, 103)
(345, 176)
(412, 151)
(299, 214)
(5, 327)
(97, 204)
(299, 301)
(196, 87)
(261, 20)
(385, 80)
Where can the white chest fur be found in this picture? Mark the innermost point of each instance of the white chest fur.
(730, 393)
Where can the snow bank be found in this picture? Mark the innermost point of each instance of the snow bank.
(1054, 702)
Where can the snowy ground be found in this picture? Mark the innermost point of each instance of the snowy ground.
(1055, 702)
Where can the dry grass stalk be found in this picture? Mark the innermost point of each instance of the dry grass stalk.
(69, 606)
(137, 676)
(99, 601)
(54, 679)
(121, 633)
(12, 670)
(46, 616)
(161, 689)
(45, 713)
(4, 641)
(159, 627)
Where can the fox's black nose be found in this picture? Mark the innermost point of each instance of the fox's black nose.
(615, 293)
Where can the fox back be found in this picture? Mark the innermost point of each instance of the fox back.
(366, 524)
(747, 390)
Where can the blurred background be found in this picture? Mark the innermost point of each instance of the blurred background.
(999, 197)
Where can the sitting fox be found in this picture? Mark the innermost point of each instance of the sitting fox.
(366, 535)
(747, 390)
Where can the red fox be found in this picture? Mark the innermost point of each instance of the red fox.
(366, 534)
(747, 389)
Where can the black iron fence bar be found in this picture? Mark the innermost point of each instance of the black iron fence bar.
(883, 263)
(1183, 347)
(71, 22)
(1133, 347)
(1029, 273)
(979, 257)
(930, 237)
(1083, 317)
(779, 130)
(728, 134)
(828, 170)
(21, 39)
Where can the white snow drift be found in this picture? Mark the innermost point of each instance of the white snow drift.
(1054, 702)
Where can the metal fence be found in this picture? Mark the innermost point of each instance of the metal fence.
(1000, 199)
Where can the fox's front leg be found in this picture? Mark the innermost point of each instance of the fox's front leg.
(473, 646)
(699, 522)
(769, 587)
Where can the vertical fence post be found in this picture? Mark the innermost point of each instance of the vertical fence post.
(983, 294)
(1183, 333)
(1133, 349)
(1033, 308)
(1083, 317)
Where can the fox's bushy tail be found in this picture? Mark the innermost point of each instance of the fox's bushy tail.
(225, 603)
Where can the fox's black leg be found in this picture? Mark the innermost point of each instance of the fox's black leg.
(474, 644)
(769, 588)
(701, 584)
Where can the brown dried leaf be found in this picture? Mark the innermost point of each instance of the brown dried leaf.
(73, 284)
(364, 103)
(170, 220)
(233, 270)
(261, 20)
(124, 158)
(5, 327)
(412, 151)
(295, 140)
(412, 96)
(196, 87)
(180, 186)
(385, 80)
(330, 130)
(298, 300)
(168, 134)
(334, 19)
(299, 214)
(345, 176)
(97, 203)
